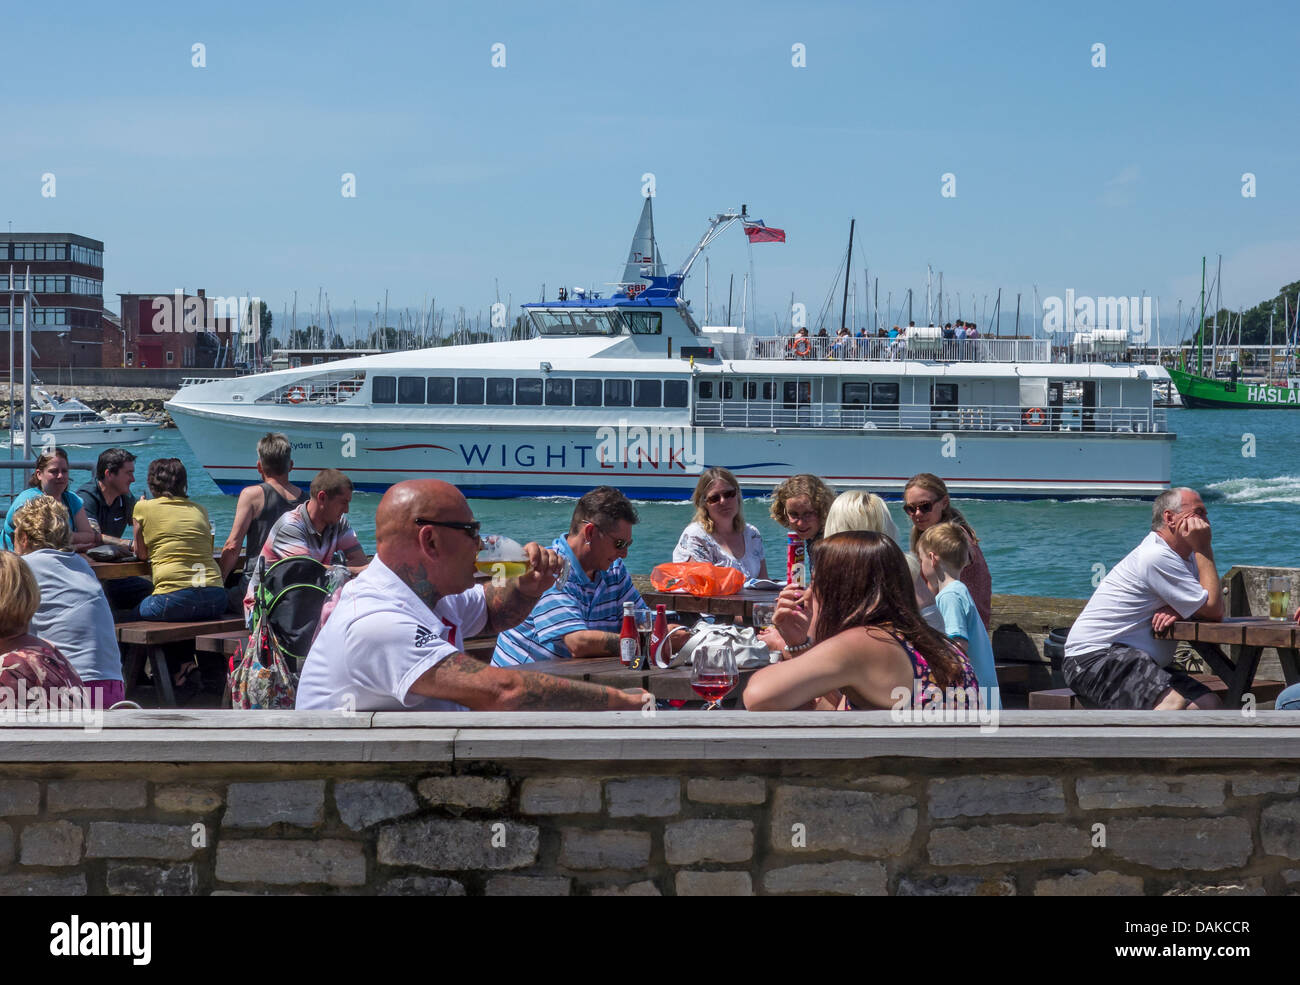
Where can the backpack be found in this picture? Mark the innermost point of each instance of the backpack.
(287, 606)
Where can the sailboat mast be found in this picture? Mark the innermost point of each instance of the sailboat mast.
(848, 273)
(1200, 331)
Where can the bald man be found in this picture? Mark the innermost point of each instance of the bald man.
(393, 641)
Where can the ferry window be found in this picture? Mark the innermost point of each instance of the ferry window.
(884, 394)
(469, 389)
(500, 391)
(559, 393)
(855, 393)
(751, 390)
(706, 389)
(728, 390)
(676, 393)
(410, 389)
(442, 390)
(528, 392)
(647, 393)
(645, 322)
(944, 394)
(769, 390)
(618, 393)
(788, 392)
(586, 393)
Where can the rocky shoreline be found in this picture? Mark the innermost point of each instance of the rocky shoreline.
(105, 399)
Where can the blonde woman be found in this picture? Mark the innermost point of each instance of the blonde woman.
(74, 614)
(719, 533)
(925, 500)
(858, 510)
(24, 657)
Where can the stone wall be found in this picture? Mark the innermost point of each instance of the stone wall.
(847, 804)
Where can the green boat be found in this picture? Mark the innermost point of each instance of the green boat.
(1199, 390)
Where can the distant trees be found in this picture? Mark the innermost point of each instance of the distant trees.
(1255, 321)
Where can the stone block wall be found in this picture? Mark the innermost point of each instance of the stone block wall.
(896, 826)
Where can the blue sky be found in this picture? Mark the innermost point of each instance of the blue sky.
(1110, 181)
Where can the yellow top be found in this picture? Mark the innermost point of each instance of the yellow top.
(178, 535)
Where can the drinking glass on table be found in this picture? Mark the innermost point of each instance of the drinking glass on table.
(502, 557)
(645, 623)
(713, 672)
(763, 613)
(1279, 591)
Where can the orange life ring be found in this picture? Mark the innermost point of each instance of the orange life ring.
(1035, 417)
(802, 346)
(296, 395)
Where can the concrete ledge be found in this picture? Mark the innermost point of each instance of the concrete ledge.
(241, 737)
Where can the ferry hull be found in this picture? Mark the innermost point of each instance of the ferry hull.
(1202, 392)
(512, 461)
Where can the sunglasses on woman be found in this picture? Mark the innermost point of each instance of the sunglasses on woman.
(919, 508)
(717, 498)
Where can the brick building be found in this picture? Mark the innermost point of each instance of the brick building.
(67, 281)
(168, 330)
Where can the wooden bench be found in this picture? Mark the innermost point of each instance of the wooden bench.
(1063, 699)
(144, 641)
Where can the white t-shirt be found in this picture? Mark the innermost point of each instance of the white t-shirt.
(380, 639)
(1120, 610)
(697, 544)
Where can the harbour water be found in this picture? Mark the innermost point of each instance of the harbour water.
(1246, 464)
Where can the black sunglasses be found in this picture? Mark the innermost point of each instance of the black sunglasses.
(472, 528)
(619, 545)
(719, 497)
(920, 508)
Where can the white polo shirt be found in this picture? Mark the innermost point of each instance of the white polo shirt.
(380, 639)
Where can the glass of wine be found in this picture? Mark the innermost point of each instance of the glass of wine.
(502, 558)
(1279, 591)
(645, 623)
(713, 672)
(763, 613)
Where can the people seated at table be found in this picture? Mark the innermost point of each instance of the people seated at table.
(1112, 656)
(74, 615)
(24, 657)
(582, 617)
(858, 510)
(173, 533)
(719, 533)
(317, 528)
(395, 639)
(944, 550)
(855, 640)
(110, 508)
(800, 504)
(260, 506)
(925, 501)
(50, 478)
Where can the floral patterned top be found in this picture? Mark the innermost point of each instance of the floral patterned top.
(39, 664)
(697, 544)
(923, 679)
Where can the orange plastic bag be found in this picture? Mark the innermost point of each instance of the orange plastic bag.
(696, 578)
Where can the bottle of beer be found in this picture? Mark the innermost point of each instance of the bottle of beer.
(658, 634)
(628, 639)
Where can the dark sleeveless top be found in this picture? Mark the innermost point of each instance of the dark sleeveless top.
(273, 507)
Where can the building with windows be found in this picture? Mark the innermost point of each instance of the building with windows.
(67, 284)
(171, 330)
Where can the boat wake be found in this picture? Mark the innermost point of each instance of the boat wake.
(1280, 489)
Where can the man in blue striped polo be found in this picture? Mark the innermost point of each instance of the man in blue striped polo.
(582, 618)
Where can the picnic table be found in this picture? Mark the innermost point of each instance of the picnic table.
(741, 604)
(673, 684)
(1251, 634)
(134, 568)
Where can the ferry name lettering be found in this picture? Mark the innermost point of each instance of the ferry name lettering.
(648, 447)
(524, 455)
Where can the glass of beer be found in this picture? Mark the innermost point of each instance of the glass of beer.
(645, 624)
(502, 558)
(1279, 597)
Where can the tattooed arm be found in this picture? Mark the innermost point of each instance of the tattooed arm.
(481, 687)
(507, 605)
(592, 643)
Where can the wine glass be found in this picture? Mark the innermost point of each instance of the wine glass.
(645, 623)
(713, 672)
(763, 613)
(502, 558)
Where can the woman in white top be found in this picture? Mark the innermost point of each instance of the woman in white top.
(858, 510)
(719, 533)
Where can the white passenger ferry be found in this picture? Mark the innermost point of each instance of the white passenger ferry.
(629, 391)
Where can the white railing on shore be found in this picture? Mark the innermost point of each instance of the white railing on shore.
(977, 417)
(893, 350)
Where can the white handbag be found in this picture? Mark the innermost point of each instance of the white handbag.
(749, 650)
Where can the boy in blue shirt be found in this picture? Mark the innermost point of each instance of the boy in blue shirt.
(944, 551)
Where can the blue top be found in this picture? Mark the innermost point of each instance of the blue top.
(70, 499)
(962, 621)
(577, 605)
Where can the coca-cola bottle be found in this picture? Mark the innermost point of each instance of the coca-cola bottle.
(658, 634)
(628, 639)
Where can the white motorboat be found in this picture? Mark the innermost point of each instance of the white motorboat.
(62, 421)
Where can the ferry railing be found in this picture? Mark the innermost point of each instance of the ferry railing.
(324, 388)
(854, 349)
(970, 417)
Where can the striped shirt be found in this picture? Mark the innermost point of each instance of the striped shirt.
(578, 605)
(293, 535)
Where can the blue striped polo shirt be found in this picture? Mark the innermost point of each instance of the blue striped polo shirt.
(580, 604)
